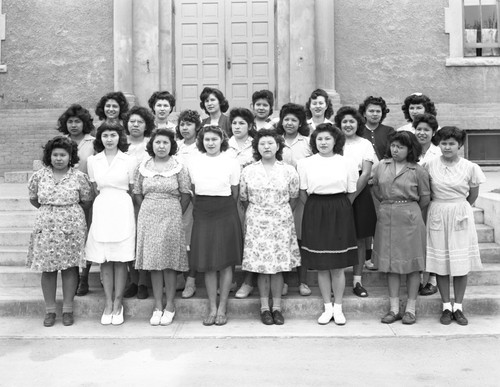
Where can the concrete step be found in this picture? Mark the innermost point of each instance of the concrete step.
(485, 233)
(17, 176)
(17, 219)
(16, 204)
(490, 252)
(478, 215)
(19, 236)
(13, 255)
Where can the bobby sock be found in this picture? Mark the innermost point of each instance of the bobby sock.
(337, 308)
(394, 304)
(447, 305)
(276, 304)
(410, 306)
(356, 279)
(456, 307)
(329, 307)
(264, 304)
(432, 280)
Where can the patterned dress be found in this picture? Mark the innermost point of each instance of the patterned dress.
(160, 234)
(58, 238)
(270, 240)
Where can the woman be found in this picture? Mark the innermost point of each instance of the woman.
(415, 104)
(360, 150)
(242, 132)
(161, 191)
(213, 103)
(262, 106)
(61, 192)
(162, 103)
(319, 109)
(327, 186)
(452, 245)
(269, 189)
(216, 240)
(112, 107)
(111, 240)
(402, 186)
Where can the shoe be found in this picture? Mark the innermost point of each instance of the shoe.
(67, 319)
(428, 290)
(117, 319)
(446, 317)
(359, 290)
(459, 317)
(304, 290)
(189, 291)
(167, 317)
(142, 292)
(409, 318)
(49, 320)
(325, 318)
(391, 317)
(369, 265)
(284, 291)
(244, 291)
(106, 319)
(180, 282)
(209, 320)
(420, 287)
(266, 317)
(339, 318)
(83, 287)
(220, 319)
(278, 317)
(156, 317)
(131, 291)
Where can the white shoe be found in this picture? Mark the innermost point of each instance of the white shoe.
(304, 290)
(339, 318)
(167, 317)
(156, 317)
(369, 265)
(189, 291)
(106, 319)
(284, 291)
(244, 291)
(326, 317)
(117, 319)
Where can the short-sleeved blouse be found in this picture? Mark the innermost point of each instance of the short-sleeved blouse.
(139, 151)
(411, 183)
(119, 174)
(408, 127)
(327, 175)
(186, 152)
(298, 150)
(312, 125)
(378, 137)
(359, 149)
(244, 155)
(214, 176)
(85, 150)
(433, 152)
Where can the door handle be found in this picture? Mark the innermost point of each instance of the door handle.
(229, 63)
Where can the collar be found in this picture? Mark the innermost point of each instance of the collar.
(391, 161)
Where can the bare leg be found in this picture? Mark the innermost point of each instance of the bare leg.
(276, 285)
(325, 285)
(170, 277)
(459, 286)
(69, 284)
(226, 279)
(263, 282)
(211, 285)
(157, 285)
(358, 269)
(443, 282)
(120, 271)
(49, 285)
(338, 284)
(108, 280)
(412, 284)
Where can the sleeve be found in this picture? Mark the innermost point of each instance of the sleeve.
(85, 188)
(301, 169)
(33, 185)
(477, 176)
(184, 180)
(293, 182)
(138, 179)
(352, 176)
(132, 164)
(234, 178)
(368, 152)
(423, 181)
(244, 185)
(90, 168)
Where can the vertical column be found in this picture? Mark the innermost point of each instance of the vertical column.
(282, 31)
(3, 67)
(166, 49)
(122, 43)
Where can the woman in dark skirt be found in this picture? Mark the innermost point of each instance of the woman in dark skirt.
(327, 186)
(216, 239)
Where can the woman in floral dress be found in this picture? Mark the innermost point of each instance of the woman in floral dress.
(269, 190)
(58, 238)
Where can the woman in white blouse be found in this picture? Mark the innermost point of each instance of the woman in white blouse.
(217, 238)
(327, 186)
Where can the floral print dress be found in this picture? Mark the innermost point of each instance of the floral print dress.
(270, 240)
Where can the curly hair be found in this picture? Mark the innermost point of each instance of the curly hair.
(348, 110)
(212, 129)
(337, 134)
(162, 132)
(61, 142)
(119, 97)
(418, 99)
(223, 103)
(280, 142)
(157, 95)
(299, 112)
(264, 94)
(118, 128)
(409, 140)
(188, 116)
(447, 132)
(145, 114)
(247, 115)
(378, 101)
(80, 112)
(429, 119)
(314, 95)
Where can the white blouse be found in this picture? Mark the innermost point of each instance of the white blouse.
(432, 152)
(359, 149)
(119, 174)
(138, 151)
(186, 152)
(298, 150)
(214, 176)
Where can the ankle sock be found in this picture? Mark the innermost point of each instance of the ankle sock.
(394, 304)
(456, 307)
(50, 309)
(410, 306)
(447, 305)
(356, 279)
(432, 280)
(337, 308)
(276, 304)
(329, 307)
(67, 309)
(264, 304)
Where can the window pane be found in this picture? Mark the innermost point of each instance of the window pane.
(481, 28)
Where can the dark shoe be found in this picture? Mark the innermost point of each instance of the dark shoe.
(391, 317)
(446, 317)
(67, 319)
(428, 290)
(278, 317)
(359, 290)
(460, 318)
(131, 291)
(142, 292)
(409, 318)
(420, 287)
(49, 320)
(266, 317)
(83, 286)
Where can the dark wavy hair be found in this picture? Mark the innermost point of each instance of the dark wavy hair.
(212, 129)
(118, 128)
(157, 95)
(371, 100)
(119, 97)
(145, 114)
(247, 115)
(417, 99)
(162, 132)
(280, 141)
(337, 134)
(429, 119)
(409, 140)
(61, 142)
(188, 116)
(349, 110)
(78, 111)
(314, 95)
(447, 132)
(224, 105)
(299, 112)
(264, 94)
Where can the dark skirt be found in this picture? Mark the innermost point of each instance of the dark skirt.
(328, 233)
(365, 217)
(216, 238)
